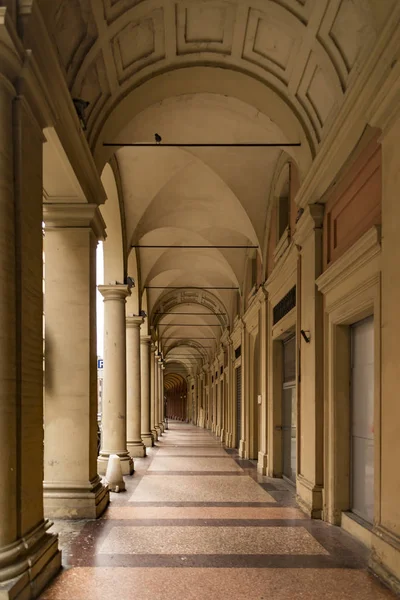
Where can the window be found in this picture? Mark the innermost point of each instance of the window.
(283, 215)
(283, 202)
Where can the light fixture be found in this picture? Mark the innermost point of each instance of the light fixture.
(80, 107)
(305, 337)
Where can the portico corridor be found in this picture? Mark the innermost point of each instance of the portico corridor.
(198, 522)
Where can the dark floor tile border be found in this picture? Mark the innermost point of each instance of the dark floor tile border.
(203, 522)
(194, 456)
(199, 473)
(208, 504)
(249, 561)
(242, 462)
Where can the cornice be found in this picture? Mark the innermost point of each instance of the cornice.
(250, 318)
(114, 292)
(74, 216)
(310, 220)
(282, 245)
(225, 337)
(282, 273)
(363, 251)
(236, 335)
(11, 49)
(52, 91)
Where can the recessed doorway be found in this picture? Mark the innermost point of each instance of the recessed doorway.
(362, 419)
(289, 411)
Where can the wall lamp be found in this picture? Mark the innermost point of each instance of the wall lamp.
(307, 338)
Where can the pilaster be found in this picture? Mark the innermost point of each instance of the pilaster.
(308, 237)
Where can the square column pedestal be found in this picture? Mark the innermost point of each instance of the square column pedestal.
(72, 487)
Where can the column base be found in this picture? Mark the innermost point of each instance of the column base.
(218, 431)
(75, 501)
(242, 449)
(159, 432)
(262, 464)
(309, 497)
(148, 439)
(29, 564)
(222, 435)
(154, 434)
(136, 449)
(161, 426)
(384, 559)
(126, 463)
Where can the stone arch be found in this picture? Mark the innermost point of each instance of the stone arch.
(114, 246)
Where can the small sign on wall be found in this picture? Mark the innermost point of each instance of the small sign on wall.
(100, 363)
(259, 399)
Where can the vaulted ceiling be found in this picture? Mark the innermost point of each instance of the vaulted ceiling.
(206, 71)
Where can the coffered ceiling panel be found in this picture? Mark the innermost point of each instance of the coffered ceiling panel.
(115, 8)
(139, 44)
(269, 44)
(204, 27)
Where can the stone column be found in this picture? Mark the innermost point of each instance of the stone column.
(160, 395)
(157, 396)
(195, 402)
(113, 439)
(145, 342)
(134, 442)
(162, 404)
(153, 394)
(29, 556)
(262, 464)
(72, 487)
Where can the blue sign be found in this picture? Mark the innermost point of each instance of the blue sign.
(100, 363)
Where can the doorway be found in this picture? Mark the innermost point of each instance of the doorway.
(289, 411)
(362, 419)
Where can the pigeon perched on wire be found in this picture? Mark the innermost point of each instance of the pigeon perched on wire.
(158, 138)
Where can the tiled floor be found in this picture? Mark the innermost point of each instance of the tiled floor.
(196, 522)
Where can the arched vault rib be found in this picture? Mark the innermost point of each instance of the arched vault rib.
(170, 301)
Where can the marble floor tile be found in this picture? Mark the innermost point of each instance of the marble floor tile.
(215, 584)
(210, 540)
(193, 464)
(190, 528)
(203, 512)
(191, 451)
(179, 488)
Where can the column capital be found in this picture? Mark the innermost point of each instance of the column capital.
(65, 215)
(145, 339)
(118, 291)
(134, 321)
(311, 219)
